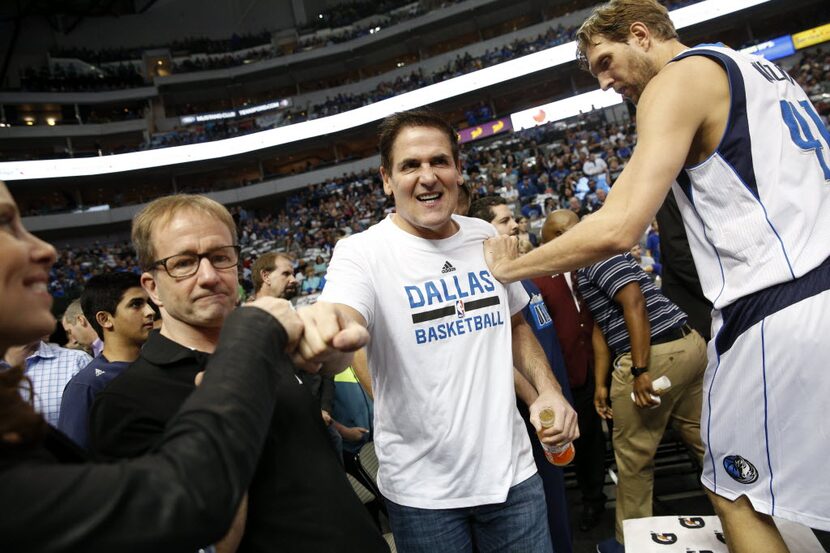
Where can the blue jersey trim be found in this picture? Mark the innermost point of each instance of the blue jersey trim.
(686, 185)
(750, 310)
(766, 415)
(736, 143)
(709, 427)
(735, 146)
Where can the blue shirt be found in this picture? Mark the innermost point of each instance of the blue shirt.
(598, 285)
(537, 316)
(352, 407)
(49, 368)
(79, 394)
(653, 245)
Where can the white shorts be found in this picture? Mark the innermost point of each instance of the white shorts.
(764, 422)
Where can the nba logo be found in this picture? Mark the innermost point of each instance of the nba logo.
(459, 309)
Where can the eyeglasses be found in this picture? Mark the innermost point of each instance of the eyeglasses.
(187, 264)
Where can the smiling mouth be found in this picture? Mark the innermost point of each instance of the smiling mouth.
(37, 286)
(429, 198)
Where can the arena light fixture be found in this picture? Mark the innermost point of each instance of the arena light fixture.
(509, 70)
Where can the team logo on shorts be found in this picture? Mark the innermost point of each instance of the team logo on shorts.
(663, 539)
(691, 522)
(459, 309)
(739, 469)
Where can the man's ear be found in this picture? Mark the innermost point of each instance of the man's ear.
(641, 34)
(148, 282)
(104, 319)
(387, 186)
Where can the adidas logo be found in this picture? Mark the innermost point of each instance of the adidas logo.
(448, 268)
(98, 372)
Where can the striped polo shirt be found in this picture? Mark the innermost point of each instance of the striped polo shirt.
(598, 285)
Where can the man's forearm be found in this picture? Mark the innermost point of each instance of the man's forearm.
(529, 358)
(602, 357)
(524, 389)
(639, 332)
(360, 365)
(595, 238)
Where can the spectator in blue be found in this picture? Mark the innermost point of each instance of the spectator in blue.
(523, 226)
(320, 265)
(526, 188)
(624, 151)
(530, 211)
(117, 308)
(312, 283)
(653, 242)
(495, 211)
(582, 186)
(559, 171)
(353, 412)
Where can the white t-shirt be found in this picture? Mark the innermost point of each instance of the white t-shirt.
(447, 431)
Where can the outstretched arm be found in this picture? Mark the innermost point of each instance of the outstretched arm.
(183, 496)
(676, 104)
(332, 332)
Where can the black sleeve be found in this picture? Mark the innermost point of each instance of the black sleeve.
(117, 429)
(327, 393)
(681, 283)
(178, 498)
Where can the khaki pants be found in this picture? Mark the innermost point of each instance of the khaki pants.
(637, 432)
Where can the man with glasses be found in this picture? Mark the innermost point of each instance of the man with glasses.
(194, 299)
(186, 246)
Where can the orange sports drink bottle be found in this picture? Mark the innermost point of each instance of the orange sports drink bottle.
(557, 455)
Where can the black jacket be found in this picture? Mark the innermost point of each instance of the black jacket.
(299, 499)
(178, 498)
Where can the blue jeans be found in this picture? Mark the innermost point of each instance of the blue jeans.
(519, 525)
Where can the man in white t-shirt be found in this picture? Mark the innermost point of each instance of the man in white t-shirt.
(455, 459)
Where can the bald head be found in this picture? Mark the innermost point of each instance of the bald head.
(557, 223)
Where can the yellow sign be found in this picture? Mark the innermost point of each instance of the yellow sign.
(816, 35)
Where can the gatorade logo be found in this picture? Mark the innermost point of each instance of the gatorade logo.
(664, 539)
(691, 522)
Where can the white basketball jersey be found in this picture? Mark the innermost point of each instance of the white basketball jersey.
(757, 212)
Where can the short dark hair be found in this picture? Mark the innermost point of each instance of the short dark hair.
(482, 208)
(391, 126)
(103, 293)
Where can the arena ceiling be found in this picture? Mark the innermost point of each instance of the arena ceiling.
(74, 8)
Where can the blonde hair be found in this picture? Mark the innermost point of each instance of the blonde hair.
(614, 19)
(161, 211)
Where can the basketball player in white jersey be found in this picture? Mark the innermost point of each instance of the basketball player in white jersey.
(748, 160)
